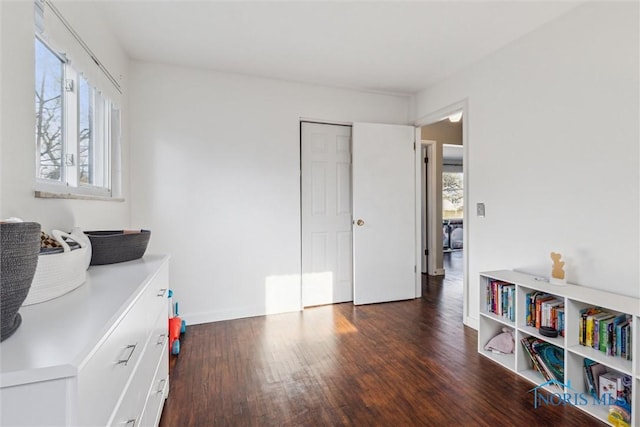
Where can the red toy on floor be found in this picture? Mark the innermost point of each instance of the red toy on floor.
(177, 327)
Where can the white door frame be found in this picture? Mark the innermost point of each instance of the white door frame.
(431, 118)
(434, 233)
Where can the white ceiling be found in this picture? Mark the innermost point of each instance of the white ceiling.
(394, 46)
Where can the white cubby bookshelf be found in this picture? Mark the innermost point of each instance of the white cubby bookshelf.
(575, 298)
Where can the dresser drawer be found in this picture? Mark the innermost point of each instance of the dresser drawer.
(157, 394)
(143, 384)
(103, 378)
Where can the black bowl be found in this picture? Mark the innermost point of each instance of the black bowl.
(113, 246)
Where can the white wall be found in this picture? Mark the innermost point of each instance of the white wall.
(542, 154)
(216, 179)
(18, 121)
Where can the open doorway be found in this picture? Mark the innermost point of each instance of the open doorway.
(443, 147)
(443, 219)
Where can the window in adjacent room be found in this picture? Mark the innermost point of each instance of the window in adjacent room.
(452, 195)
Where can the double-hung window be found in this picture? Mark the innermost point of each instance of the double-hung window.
(76, 123)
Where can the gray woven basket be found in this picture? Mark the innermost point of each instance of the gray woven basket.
(110, 247)
(19, 249)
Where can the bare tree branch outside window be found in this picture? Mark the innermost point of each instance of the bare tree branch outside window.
(452, 191)
(48, 110)
(85, 135)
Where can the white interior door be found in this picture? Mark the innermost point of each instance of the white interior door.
(384, 211)
(327, 270)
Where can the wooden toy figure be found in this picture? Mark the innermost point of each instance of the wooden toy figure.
(557, 270)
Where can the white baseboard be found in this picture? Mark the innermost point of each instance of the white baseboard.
(472, 322)
(218, 316)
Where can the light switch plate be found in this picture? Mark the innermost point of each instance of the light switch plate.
(480, 209)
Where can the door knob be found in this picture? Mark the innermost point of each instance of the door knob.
(360, 223)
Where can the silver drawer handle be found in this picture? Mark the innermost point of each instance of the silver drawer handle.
(161, 339)
(161, 386)
(131, 347)
(130, 423)
(161, 292)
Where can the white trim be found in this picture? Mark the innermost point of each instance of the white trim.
(70, 116)
(434, 216)
(443, 113)
(69, 196)
(52, 187)
(472, 322)
(325, 122)
(228, 314)
(417, 147)
(428, 119)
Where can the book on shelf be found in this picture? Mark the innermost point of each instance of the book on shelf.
(539, 310)
(627, 341)
(603, 341)
(610, 383)
(592, 371)
(546, 358)
(615, 335)
(607, 332)
(500, 297)
(530, 306)
(549, 312)
(616, 384)
(526, 343)
(552, 358)
(594, 335)
(582, 324)
(542, 309)
(560, 316)
(622, 326)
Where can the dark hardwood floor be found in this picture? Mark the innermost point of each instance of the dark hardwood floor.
(394, 364)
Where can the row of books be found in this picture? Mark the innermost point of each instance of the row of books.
(607, 332)
(501, 299)
(542, 309)
(546, 358)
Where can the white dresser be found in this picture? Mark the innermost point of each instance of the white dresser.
(95, 356)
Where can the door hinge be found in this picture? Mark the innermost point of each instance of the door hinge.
(426, 252)
(415, 269)
(426, 160)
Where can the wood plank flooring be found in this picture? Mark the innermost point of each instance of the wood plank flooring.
(394, 364)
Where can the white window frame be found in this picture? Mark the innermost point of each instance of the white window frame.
(69, 183)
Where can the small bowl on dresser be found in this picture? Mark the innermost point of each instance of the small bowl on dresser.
(113, 246)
